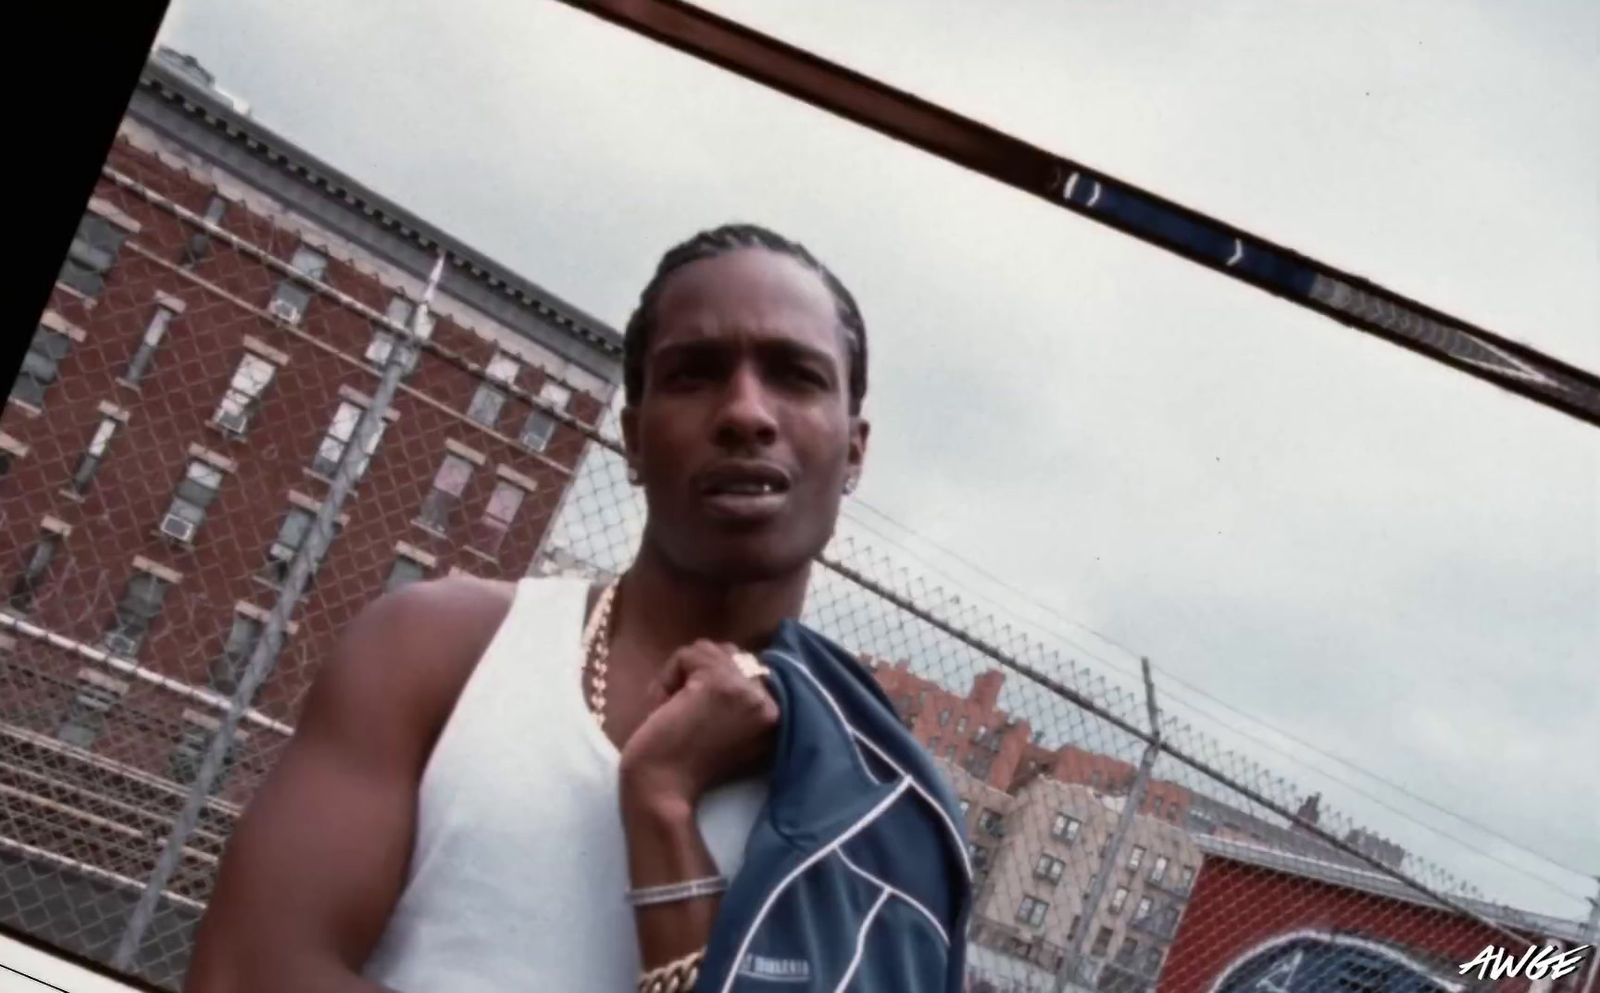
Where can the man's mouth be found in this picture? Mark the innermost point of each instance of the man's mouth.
(743, 491)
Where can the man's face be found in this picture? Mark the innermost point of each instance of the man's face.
(742, 435)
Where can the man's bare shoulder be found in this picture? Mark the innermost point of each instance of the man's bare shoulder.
(415, 648)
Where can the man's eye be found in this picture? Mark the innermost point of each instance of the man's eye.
(807, 376)
(685, 375)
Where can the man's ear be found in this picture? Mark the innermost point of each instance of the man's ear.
(629, 420)
(856, 456)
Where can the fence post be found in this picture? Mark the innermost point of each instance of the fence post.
(265, 653)
(1070, 965)
(1591, 935)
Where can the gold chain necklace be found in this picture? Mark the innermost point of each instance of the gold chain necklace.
(597, 637)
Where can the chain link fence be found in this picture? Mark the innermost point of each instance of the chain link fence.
(233, 429)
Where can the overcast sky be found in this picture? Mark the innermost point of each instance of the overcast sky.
(1396, 562)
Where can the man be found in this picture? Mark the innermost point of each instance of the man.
(450, 814)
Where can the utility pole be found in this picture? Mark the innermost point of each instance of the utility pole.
(264, 656)
(1071, 964)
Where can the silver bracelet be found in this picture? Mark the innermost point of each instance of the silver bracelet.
(648, 895)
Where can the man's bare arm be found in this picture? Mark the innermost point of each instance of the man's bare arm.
(713, 725)
(316, 864)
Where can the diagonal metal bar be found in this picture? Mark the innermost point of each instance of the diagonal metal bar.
(1201, 239)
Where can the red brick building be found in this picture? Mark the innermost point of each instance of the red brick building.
(223, 317)
(1264, 919)
(973, 733)
(970, 732)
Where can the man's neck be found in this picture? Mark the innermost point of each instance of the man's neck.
(666, 609)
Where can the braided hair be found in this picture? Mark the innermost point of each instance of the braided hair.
(720, 241)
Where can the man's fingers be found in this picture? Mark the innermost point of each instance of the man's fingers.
(670, 678)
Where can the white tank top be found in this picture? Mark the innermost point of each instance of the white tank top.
(519, 864)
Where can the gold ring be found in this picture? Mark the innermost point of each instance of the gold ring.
(749, 665)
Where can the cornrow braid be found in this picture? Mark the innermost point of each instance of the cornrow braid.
(720, 241)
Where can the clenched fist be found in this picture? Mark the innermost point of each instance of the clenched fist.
(710, 723)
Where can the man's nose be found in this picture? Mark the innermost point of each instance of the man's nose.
(745, 416)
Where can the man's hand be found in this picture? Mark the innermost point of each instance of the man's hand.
(710, 723)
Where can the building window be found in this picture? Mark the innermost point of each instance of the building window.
(199, 244)
(540, 426)
(1065, 828)
(1155, 806)
(944, 717)
(92, 254)
(1186, 877)
(145, 354)
(41, 366)
(979, 763)
(406, 570)
(933, 746)
(1119, 899)
(950, 751)
(1158, 872)
(139, 606)
(89, 461)
(1136, 856)
(1167, 921)
(1031, 911)
(1130, 946)
(34, 571)
(228, 668)
(438, 508)
(979, 735)
(292, 532)
(1141, 911)
(86, 713)
(1102, 942)
(1152, 959)
(400, 311)
(243, 395)
(989, 821)
(189, 752)
(980, 857)
(330, 450)
(194, 494)
(290, 299)
(1072, 932)
(1049, 868)
(497, 516)
(486, 403)
(965, 806)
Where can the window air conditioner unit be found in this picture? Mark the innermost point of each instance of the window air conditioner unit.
(121, 644)
(198, 246)
(233, 421)
(178, 528)
(284, 310)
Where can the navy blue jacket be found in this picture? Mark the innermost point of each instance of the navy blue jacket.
(856, 876)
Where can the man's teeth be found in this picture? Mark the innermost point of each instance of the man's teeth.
(749, 489)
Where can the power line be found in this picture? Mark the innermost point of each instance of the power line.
(1554, 885)
(981, 571)
(1352, 765)
(1057, 615)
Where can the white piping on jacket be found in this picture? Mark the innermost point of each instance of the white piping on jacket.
(943, 935)
(810, 860)
(837, 713)
(857, 736)
(861, 942)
